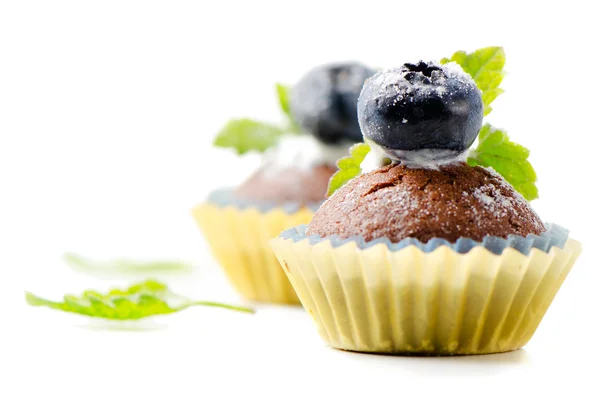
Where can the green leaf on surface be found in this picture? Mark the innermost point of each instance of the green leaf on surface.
(507, 158)
(125, 266)
(348, 167)
(138, 301)
(245, 135)
(486, 67)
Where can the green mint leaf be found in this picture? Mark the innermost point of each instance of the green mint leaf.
(139, 301)
(245, 135)
(348, 167)
(507, 158)
(485, 66)
(283, 94)
(125, 266)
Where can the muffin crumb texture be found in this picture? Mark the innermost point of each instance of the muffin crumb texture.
(398, 202)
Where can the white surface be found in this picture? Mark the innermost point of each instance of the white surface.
(107, 110)
(278, 351)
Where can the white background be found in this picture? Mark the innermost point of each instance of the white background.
(107, 111)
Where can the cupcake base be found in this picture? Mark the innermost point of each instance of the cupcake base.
(238, 238)
(408, 301)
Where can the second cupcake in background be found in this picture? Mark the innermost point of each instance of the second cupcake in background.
(291, 182)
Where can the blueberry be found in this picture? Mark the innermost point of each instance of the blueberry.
(421, 111)
(324, 101)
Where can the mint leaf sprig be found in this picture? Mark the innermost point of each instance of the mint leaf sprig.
(348, 167)
(136, 302)
(245, 134)
(507, 158)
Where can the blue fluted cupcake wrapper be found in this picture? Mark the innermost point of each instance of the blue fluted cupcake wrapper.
(225, 198)
(554, 235)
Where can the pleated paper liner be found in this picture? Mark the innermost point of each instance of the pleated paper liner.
(428, 299)
(238, 233)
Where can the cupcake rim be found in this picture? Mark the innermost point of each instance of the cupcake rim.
(224, 198)
(554, 236)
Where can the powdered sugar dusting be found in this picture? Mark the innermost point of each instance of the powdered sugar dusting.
(503, 181)
(454, 70)
(388, 80)
(493, 199)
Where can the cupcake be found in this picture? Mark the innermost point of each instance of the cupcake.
(436, 253)
(291, 183)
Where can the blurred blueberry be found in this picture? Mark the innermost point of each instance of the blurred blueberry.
(324, 101)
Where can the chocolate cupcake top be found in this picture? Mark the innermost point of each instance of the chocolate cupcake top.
(424, 117)
(454, 201)
(292, 184)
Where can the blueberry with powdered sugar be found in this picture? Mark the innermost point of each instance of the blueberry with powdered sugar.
(421, 112)
(324, 101)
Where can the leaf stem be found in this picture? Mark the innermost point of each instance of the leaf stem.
(221, 305)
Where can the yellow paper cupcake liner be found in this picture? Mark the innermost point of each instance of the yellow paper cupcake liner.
(239, 240)
(411, 302)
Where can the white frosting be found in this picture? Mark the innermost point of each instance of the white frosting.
(374, 159)
(304, 152)
(425, 159)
